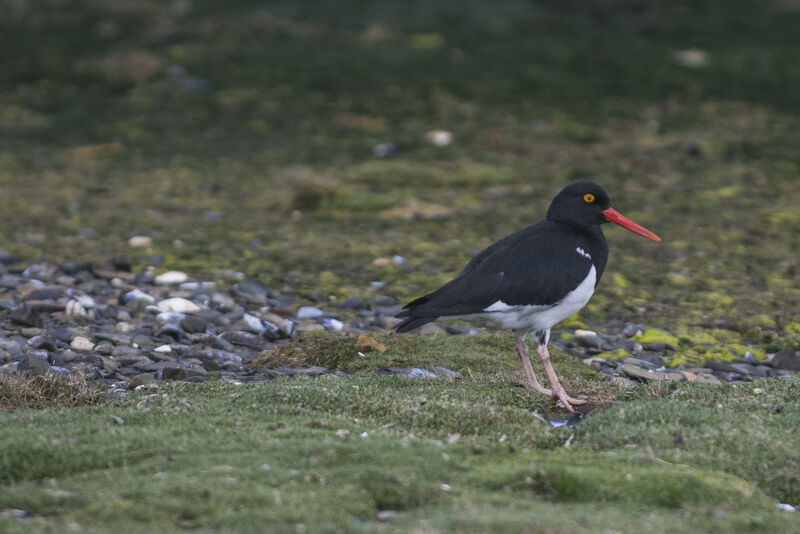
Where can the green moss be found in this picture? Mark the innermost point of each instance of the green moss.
(653, 335)
(697, 338)
(792, 328)
(573, 323)
(615, 355)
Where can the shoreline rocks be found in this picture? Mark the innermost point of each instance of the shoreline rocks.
(128, 329)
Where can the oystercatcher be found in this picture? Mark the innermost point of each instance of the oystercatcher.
(532, 279)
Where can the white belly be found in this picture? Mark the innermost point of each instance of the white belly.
(540, 318)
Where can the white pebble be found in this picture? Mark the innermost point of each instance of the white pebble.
(137, 295)
(171, 277)
(691, 57)
(333, 324)
(81, 343)
(178, 304)
(140, 241)
(75, 309)
(446, 487)
(584, 333)
(309, 312)
(364, 435)
(440, 138)
(253, 323)
(163, 349)
(170, 317)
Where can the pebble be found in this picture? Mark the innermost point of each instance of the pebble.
(309, 312)
(137, 296)
(245, 339)
(633, 329)
(643, 374)
(178, 304)
(332, 324)
(439, 138)
(252, 288)
(786, 359)
(140, 241)
(171, 277)
(254, 324)
(132, 328)
(81, 343)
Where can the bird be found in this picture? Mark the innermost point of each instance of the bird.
(533, 279)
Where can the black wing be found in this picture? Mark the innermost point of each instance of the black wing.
(538, 265)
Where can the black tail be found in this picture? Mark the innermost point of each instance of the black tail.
(413, 322)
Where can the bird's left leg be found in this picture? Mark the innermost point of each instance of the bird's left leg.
(522, 351)
(558, 389)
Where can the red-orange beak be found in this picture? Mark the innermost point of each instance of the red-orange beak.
(614, 216)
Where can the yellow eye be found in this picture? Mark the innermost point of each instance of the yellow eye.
(588, 197)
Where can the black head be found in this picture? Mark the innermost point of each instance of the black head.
(580, 204)
(586, 204)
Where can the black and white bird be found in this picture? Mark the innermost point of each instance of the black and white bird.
(532, 279)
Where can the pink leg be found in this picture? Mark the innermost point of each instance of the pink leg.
(522, 350)
(558, 390)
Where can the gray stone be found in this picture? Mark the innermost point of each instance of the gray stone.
(786, 359)
(752, 370)
(588, 339)
(24, 316)
(635, 371)
(285, 370)
(309, 312)
(723, 367)
(244, 339)
(644, 364)
(178, 373)
(329, 323)
(104, 348)
(443, 371)
(223, 302)
(633, 329)
(353, 303)
(140, 379)
(193, 324)
(707, 378)
(113, 337)
(36, 362)
(252, 288)
(9, 369)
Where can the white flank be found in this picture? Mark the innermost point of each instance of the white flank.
(541, 318)
(583, 253)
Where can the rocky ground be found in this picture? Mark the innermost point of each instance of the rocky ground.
(129, 329)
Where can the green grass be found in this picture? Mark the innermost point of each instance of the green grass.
(293, 452)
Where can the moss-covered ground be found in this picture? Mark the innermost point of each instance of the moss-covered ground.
(240, 135)
(329, 454)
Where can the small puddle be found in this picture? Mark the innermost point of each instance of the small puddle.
(559, 417)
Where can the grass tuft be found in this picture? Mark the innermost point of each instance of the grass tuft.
(23, 391)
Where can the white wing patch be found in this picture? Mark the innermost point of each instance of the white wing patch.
(583, 253)
(498, 306)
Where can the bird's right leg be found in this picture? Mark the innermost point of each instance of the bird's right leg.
(522, 350)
